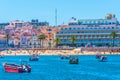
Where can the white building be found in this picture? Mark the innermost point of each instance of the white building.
(17, 23)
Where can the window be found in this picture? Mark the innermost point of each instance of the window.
(113, 22)
(109, 22)
(92, 22)
(87, 22)
(33, 34)
(106, 22)
(112, 27)
(83, 22)
(117, 27)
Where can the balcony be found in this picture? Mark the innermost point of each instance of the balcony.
(85, 33)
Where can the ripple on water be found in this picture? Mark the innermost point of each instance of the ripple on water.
(54, 68)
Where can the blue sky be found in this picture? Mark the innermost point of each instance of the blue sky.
(44, 10)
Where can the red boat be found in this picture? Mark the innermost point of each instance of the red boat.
(17, 68)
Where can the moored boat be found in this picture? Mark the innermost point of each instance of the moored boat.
(65, 56)
(23, 67)
(1, 56)
(103, 58)
(74, 61)
(34, 57)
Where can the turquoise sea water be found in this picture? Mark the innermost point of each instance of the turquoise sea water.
(54, 68)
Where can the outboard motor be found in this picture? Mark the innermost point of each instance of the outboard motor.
(24, 67)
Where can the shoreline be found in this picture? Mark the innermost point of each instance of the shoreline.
(59, 55)
(76, 51)
(51, 54)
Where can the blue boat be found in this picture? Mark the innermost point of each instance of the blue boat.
(34, 57)
(65, 56)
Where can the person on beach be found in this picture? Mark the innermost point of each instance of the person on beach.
(110, 52)
(15, 53)
(81, 51)
(104, 52)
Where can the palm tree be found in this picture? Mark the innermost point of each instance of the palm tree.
(108, 16)
(113, 35)
(73, 39)
(41, 37)
(7, 36)
(57, 41)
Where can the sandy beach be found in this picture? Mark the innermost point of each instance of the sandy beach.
(40, 52)
(76, 51)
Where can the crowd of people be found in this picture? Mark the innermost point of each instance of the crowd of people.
(109, 50)
(75, 51)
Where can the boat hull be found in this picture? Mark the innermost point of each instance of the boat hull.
(10, 69)
(33, 59)
(17, 68)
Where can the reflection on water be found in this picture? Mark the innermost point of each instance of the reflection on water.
(54, 68)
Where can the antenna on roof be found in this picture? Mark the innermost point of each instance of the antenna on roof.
(56, 17)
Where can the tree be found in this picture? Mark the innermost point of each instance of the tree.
(113, 35)
(41, 38)
(7, 37)
(109, 16)
(57, 41)
(73, 39)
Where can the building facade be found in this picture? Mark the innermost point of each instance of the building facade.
(3, 42)
(34, 43)
(90, 31)
(17, 23)
(2, 25)
(36, 23)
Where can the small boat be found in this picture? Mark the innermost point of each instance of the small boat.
(65, 57)
(1, 56)
(98, 55)
(34, 57)
(73, 61)
(103, 58)
(23, 67)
